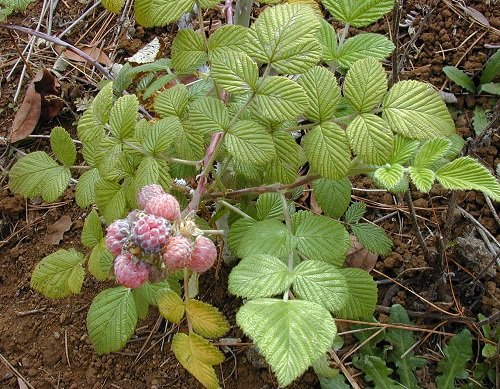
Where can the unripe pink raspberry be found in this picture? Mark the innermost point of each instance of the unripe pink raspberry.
(177, 253)
(147, 192)
(128, 273)
(165, 206)
(117, 234)
(204, 255)
(150, 233)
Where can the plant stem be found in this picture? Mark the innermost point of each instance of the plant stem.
(234, 209)
(288, 223)
(396, 17)
(344, 34)
(186, 297)
(242, 12)
(201, 23)
(416, 228)
(228, 6)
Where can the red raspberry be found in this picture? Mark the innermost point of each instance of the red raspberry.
(147, 192)
(204, 255)
(117, 234)
(128, 273)
(164, 205)
(177, 254)
(150, 233)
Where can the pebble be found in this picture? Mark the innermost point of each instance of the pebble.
(57, 335)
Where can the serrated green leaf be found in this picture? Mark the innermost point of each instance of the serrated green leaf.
(248, 141)
(491, 87)
(189, 144)
(161, 135)
(259, 275)
(430, 152)
(322, 367)
(142, 11)
(123, 117)
(111, 319)
(362, 294)
(491, 69)
(423, 178)
(85, 188)
(415, 110)
(355, 212)
(278, 98)
(163, 12)
(150, 171)
(376, 372)
(370, 138)
(320, 238)
(322, 91)
(268, 236)
(148, 291)
(404, 149)
(389, 175)
(156, 84)
(36, 174)
(457, 353)
(290, 334)
(170, 305)
(284, 36)
(62, 146)
(358, 13)
(337, 382)
(188, 49)
(327, 149)
(234, 71)
(206, 320)
(365, 84)
(198, 356)
(172, 102)
(110, 199)
(89, 128)
(372, 237)
(237, 233)
(59, 274)
(363, 46)
(102, 104)
(321, 283)
(15, 5)
(141, 305)
(114, 6)
(479, 120)
(100, 262)
(228, 37)
(333, 196)
(269, 206)
(467, 173)
(460, 78)
(289, 158)
(209, 115)
(328, 40)
(92, 230)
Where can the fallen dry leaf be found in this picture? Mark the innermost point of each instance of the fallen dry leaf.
(478, 16)
(56, 231)
(93, 52)
(359, 257)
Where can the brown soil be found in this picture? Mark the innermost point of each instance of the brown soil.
(46, 340)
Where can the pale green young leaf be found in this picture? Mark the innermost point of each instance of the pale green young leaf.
(491, 69)
(15, 5)
(89, 128)
(322, 368)
(163, 12)
(467, 173)
(328, 40)
(289, 158)
(59, 274)
(62, 146)
(389, 175)
(491, 87)
(247, 141)
(259, 275)
(320, 238)
(322, 91)
(423, 178)
(123, 117)
(327, 149)
(189, 144)
(363, 46)
(188, 49)
(149, 291)
(172, 102)
(237, 233)
(92, 230)
(321, 283)
(228, 37)
(110, 164)
(404, 149)
(111, 319)
(457, 353)
(430, 152)
(365, 84)
(284, 36)
(147, 173)
(209, 115)
(460, 78)
(90, 152)
(268, 236)
(415, 110)
(204, 4)
(206, 320)
(362, 294)
(161, 135)
(456, 145)
(36, 174)
(355, 212)
(333, 196)
(85, 188)
(100, 262)
(102, 103)
(114, 6)
(141, 305)
(290, 334)
(110, 199)
(142, 13)
(358, 13)
(372, 237)
(234, 71)
(278, 98)
(376, 372)
(269, 206)
(157, 84)
(370, 138)
(479, 120)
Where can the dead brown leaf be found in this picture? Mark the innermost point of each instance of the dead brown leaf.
(477, 16)
(56, 231)
(92, 51)
(359, 257)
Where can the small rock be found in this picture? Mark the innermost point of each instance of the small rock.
(57, 335)
(473, 253)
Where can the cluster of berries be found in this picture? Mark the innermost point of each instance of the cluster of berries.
(155, 240)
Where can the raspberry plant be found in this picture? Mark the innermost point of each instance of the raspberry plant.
(266, 108)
